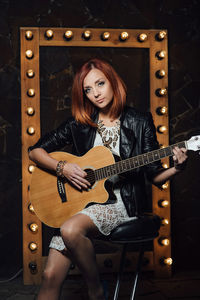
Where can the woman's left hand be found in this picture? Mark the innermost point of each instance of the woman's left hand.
(180, 158)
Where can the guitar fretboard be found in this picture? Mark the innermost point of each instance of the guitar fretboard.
(136, 161)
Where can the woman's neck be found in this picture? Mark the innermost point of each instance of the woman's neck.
(107, 120)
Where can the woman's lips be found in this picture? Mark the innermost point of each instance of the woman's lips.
(100, 100)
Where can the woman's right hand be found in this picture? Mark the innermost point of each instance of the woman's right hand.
(76, 176)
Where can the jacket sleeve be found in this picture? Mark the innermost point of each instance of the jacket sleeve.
(56, 139)
(150, 143)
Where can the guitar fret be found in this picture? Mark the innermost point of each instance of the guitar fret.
(150, 156)
(145, 158)
(140, 160)
(155, 155)
(136, 161)
(162, 153)
(132, 165)
(168, 151)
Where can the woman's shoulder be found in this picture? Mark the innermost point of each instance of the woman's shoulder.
(131, 112)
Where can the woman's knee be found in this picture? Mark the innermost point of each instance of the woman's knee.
(50, 278)
(70, 234)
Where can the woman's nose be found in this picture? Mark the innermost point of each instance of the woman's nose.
(96, 93)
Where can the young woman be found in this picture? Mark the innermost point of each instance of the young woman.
(100, 117)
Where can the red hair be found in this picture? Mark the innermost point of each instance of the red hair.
(82, 108)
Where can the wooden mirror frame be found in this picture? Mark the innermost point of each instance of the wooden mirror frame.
(31, 40)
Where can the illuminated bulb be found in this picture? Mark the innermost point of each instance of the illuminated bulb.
(162, 129)
(160, 73)
(142, 37)
(49, 34)
(162, 110)
(161, 92)
(29, 35)
(87, 34)
(165, 222)
(163, 203)
(161, 54)
(165, 186)
(124, 35)
(31, 92)
(32, 246)
(161, 35)
(168, 261)
(68, 34)
(30, 208)
(30, 73)
(33, 227)
(164, 241)
(165, 166)
(31, 130)
(31, 168)
(29, 54)
(105, 36)
(30, 111)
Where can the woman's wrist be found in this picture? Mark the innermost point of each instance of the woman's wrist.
(60, 168)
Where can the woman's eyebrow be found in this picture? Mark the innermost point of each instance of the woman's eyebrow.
(87, 86)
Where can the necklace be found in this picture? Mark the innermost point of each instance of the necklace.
(108, 135)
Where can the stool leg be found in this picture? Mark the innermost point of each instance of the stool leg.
(139, 264)
(122, 261)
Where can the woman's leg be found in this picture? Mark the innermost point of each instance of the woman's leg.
(54, 274)
(75, 233)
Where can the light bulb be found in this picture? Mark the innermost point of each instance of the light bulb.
(49, 34)
(30, 73)
(142, 37)
(29, 35)
(68, 34)
(87, 34)
(163, 203)
(31, 92)
(162, 129)
(30, 111)
(124, 36)
(105, 36)
(32, 246)
(29, 54)
(33, 227)
(30, 208)
(163, 241)
(30, 130)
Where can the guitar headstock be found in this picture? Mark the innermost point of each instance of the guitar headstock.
(194, 143)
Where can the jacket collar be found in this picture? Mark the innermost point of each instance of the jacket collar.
(127, 136)
(86, 135)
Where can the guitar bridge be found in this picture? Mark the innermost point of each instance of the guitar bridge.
(61, 189)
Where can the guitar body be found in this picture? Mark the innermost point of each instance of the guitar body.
(44, 195)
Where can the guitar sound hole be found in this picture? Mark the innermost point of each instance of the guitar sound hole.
(90, 176)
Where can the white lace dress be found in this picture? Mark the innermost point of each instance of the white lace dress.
(105, 217)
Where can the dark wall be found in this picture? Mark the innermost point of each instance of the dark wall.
(181, 18)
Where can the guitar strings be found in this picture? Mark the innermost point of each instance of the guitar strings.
(91, 175)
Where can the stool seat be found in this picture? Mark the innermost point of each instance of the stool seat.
(144, 227)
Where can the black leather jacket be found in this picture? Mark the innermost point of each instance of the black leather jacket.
(137, 136)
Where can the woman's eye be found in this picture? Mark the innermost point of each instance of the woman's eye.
(101, 83)
(87, 91)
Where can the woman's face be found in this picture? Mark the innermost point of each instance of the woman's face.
(98, 89)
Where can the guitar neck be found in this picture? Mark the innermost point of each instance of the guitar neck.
(136, 161)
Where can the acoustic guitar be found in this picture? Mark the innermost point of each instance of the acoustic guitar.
(55, 200)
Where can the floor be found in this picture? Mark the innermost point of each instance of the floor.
(182, 286)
